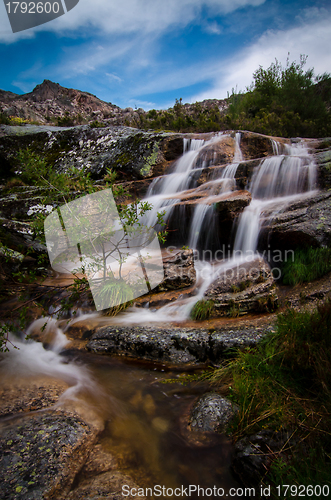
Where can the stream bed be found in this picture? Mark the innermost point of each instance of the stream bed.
(145, 420)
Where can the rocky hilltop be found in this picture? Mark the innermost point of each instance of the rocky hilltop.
(50, 103)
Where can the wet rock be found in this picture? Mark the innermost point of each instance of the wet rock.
(100, 478)
(233, 204)
(41, 455)
(323, 161)
(212, 413)
(179, 271)
(255, 145)
(247, 286)
(176, 345)
(303, 223)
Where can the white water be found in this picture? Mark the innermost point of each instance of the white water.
(276, 182)
(166, 191)
(28, 358)
(225, 183)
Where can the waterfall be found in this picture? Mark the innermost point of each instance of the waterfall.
(277, 181)
(287, 175)
(226, 182)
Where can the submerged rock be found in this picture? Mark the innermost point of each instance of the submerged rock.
(100, 478)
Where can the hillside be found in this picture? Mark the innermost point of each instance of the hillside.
(50, 103)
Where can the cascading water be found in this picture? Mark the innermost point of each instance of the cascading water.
(277, 181)
(225, 182)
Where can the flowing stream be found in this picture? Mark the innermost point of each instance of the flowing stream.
(144, 427)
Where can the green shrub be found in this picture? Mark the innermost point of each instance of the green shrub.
(4, 119)
(309, 264)
(114, 292)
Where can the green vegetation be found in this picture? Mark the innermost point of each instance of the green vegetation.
(202, 309)
(309, 264)
(69, 121)
(4, 119)
(56, 189)
(282, 101)
(32, 169)
(194, 118)
(284, 383)
(117, 292)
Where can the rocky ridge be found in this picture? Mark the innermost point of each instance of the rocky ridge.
(50, 103)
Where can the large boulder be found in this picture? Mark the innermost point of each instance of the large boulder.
(41, 456)
(303, 223)
(245, 286)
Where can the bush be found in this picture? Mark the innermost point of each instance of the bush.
(284, 101)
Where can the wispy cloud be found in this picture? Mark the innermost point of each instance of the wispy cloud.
(213, 28)
(128, 16)
(311, 37)
(114, 77)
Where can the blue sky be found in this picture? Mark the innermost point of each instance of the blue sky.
(147, 53)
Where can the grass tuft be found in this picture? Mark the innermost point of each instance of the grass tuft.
(202, 310)
(309, 264)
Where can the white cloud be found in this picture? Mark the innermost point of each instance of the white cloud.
(128, 16)
(214, 28)
(312, 37)
(112, 77)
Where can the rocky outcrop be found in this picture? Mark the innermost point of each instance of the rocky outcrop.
(175, 345)
(131, 153)
(244, 287)
(303, 223)
(49, 101)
